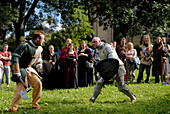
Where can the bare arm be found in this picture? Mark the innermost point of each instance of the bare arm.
(5, 58)
(16, 68)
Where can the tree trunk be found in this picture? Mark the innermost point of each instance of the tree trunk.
(20, 25)
(22, 19)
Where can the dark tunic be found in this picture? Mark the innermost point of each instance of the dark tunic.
(54, 58)
(121, 50)
(51, 74)
(84, 76)
(23, 55)
(158, 65)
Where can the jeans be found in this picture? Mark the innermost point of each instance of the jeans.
(141, 70)
(7, 71)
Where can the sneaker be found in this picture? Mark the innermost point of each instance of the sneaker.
(13, 111)
(133, 101)
(147, 82)
(91, 100)
(133, 80)
(164, 83)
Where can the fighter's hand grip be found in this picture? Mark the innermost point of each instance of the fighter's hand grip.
(16, 77)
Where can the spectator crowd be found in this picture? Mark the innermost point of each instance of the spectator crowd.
(74, 67)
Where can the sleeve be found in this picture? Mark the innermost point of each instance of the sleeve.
(18, 53)
(76, 55)
(55, 58)
(89, 53)
(39, 60)
(61, 53)
(9, 54)
(110, 52)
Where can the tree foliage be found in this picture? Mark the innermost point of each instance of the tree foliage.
(126, 17)
(131, 17)
(7, 16)
(78, 30)
(28, 15)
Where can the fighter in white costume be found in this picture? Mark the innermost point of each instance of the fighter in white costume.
(106, 51)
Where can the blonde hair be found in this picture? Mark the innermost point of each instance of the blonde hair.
(123, 39)
(130, 43)
(149, 41)
(51, 46)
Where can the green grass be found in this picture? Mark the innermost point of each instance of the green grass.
(151, 98)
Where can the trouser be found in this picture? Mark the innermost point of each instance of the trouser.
(162, 79)
(141, 70)
(120, 84)
(7, 71)
(168, 66)
(130, 67)
(95, 71)
(36, 94)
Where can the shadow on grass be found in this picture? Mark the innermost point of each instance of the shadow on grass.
(111, 102)
(63, 102)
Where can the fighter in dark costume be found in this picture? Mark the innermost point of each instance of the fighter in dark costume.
(25, 56)
(106, 51)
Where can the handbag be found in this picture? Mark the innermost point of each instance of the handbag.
(136, 59)
(89, 64)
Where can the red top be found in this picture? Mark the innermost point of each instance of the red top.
(7, 54)
(63, 52)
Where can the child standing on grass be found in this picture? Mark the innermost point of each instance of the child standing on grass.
(1, 67)
(131, 53)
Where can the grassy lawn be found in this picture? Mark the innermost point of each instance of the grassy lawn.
(151, 98)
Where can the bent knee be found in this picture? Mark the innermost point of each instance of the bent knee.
(100, 82)
(121, 89)
(38, 84)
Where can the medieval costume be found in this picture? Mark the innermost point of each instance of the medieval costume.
(54, 57)
(63, 68)
(159, 62)
(68, 69)
(106, 51)
(121, 50)
(71, 77)
(84, 73)
(28, 56)
(50, 75)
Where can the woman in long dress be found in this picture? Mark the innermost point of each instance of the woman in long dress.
(84, 74)
(71, 60)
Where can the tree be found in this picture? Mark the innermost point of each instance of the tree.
(78, 30)
(28, 15)
(7, 15)
(131, 17)
(128, 17)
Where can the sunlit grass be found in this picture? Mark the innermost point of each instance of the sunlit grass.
(151, 98)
